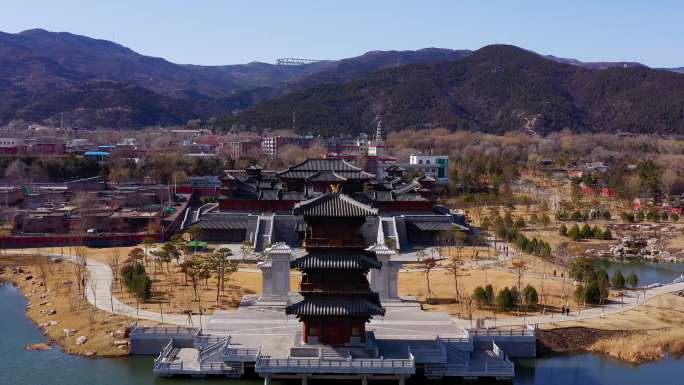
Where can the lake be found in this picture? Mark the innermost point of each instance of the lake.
(648, 272)
(52, 367)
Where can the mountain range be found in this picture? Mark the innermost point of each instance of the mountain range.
(48, 77)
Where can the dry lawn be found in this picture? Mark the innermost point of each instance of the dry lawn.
(173, 292)
(654, 331)
(443, 289)
(60, 293)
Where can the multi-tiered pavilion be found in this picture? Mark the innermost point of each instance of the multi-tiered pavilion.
(338, 301)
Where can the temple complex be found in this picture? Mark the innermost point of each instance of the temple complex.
(345, 321)
(256, 205)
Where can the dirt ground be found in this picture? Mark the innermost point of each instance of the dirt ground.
(58, 292)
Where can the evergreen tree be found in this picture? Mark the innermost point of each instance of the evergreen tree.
(480, 296)
(632, 280)
(592, 293)
(618, 280)
(574, 233)
(530, 296)
(505, 300)
(489, 290)
(585, 232)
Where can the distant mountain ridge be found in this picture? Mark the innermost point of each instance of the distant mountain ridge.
(46, 76)
(497, 89)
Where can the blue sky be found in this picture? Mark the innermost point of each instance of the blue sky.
(227, 32)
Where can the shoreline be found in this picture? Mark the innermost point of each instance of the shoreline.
(652, 332)
(67, 320)
(52, 309)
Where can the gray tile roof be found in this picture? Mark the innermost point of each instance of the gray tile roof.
(408, 187)
(333, 205)
(326, 176)
(339, 260)
(432, 226)
(335, 307)
(221, 222)
(313, 164)
(409, 197)
(310, 167)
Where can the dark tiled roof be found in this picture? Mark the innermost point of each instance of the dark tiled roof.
(333, 205)
(324, 164)
(335, 307)
(340, 260)
(408, 187)
(311, 166)
(425, 178)
(395, 168)
(384, 196)
(326, 176)
(220, 222)
(268, 195)
(306, 174)
(432, 226)
(293, 196)
(409, 197)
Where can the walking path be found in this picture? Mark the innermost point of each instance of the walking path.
(98, 293)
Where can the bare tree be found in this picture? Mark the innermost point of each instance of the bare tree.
(428, 263)
(222, 266)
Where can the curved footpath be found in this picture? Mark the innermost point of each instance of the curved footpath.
(98, 293)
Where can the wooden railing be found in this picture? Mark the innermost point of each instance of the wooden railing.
(328, 242)
(332, 288)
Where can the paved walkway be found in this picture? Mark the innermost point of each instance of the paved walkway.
(98, 293)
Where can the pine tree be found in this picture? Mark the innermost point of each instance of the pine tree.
(618, 280)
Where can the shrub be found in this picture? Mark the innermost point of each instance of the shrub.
(585, 232)
(505, 300)
(563, 230)
(480, 296)
(592, 293)
(490, 294)
(618, 280)
(632, 280)
(530, 296)
(136, 280)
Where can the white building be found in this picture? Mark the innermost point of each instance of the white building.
(435, 166)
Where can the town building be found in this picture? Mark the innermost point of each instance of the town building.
(12, 146)
(271, 145)
(435, 166)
